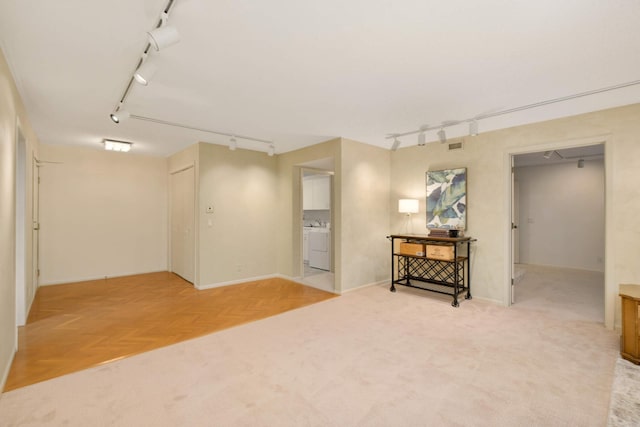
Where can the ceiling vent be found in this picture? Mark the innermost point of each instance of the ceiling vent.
(453, 146)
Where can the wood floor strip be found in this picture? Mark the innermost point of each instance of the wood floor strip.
(79, 325)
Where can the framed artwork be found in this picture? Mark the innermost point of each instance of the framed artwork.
(447, 199)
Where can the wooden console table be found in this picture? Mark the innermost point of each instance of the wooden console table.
(450, 276)
(630, 341)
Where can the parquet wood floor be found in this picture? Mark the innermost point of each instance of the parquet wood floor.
(79, 325)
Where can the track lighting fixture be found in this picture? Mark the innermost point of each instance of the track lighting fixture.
(473, 128)
(119, 115)
(396, 144)
(145, 71)
(163, 36)
(233, 144)
(442, 136)
(581, 163)
(272, 150)
(547, 154)
(421, 139)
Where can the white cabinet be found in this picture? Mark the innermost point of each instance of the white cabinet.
(316, 192)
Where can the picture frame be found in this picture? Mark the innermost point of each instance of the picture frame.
(447, 199)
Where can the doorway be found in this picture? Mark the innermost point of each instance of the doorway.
(558, 230)
(182, 213)
(317, 260)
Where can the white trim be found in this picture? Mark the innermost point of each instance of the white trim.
(357, 288)
(239, 281)
(610, 289)
(7, 368)
(91, 278)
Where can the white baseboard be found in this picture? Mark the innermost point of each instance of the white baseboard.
(238, 281)
(6, 369)
(357, 288)
(90, 278)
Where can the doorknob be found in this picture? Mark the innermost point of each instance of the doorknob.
(513, 226)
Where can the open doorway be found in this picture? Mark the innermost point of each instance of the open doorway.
(558, 231)
(317, 244)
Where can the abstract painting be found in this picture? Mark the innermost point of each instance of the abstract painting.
(447, 199)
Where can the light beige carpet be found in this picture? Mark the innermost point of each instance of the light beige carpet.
(367, 358)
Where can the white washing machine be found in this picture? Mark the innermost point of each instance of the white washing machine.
(320, 249)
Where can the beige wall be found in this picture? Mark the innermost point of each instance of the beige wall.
(289, 209)
(561, 220)
(486, 158)
(365, 214)
(102, 214)
(238, 240)
(12, 114)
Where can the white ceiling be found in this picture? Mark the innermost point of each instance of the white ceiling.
(299, 73)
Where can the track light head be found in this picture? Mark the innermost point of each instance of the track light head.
(396, 144)
(421, 139)
(442, 136)
(272, 150)
(473, 128)
(547, 154)
(233, 144)
(145, 72)
(119, 115)
(581, 163)
(163, 37)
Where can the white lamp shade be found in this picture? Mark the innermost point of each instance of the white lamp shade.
(163, 36)
(408, 205)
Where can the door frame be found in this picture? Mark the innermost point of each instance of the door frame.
(610, 288)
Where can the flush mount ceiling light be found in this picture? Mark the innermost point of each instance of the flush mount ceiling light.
(233, 144)
(163, 36)
(113, 145)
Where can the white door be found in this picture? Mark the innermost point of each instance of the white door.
(183, 223)
(35, 275)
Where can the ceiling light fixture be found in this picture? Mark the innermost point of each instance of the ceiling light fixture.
(442, 136)
(164, 35)
(581, 163)
(473, 128)
(114, 145)
(421, 139)
(272, 150)
(215, 132)
(119, 114)
(396, 144)
(547, 154)
(516, 109)
(145, 71)
(233, 144)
